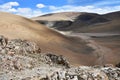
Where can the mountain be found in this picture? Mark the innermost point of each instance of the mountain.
(83, 22)
(107, 23)
(113, 15)
(64, 16)
(101, 32)
(76, 50)
(57, 20)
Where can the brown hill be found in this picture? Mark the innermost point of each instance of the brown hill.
(13, 27)
(102, 43)
(63, 16)
(107, 23)
(77, 50)
(83, 22)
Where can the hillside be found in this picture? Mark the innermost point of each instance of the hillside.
(113, 15)
(107, 23)
(77, 50)
(65, 16)
(84, 22)
(22, 60)
(101, 32)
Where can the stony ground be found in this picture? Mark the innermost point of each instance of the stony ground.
(23, 60)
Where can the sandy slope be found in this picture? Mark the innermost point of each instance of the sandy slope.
(77, 50)
(58, 16)
(13, 26)
(107, 45)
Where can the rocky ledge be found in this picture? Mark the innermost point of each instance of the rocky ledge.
(23, 60)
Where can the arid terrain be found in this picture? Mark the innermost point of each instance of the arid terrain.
(82, 22)
(56, 48)
(102, 32)
(23, 60)
(77, 48)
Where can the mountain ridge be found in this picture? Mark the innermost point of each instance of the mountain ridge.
(82, 22)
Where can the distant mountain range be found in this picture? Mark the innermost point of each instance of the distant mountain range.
(82, 22)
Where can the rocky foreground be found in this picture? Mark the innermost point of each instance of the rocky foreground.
(23, 60)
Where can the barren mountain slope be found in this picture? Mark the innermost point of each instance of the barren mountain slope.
(107, 46)
(77, 50)
(89, 22)
(83, 22)
(113, 15)
(58, 16)
(74, 49)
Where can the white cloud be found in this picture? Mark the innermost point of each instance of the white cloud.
(27, 12)
(12, 10)
(9, 5)
(89, 8)
(40, 5)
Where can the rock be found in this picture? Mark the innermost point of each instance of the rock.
(22, 46)
(3, 41)
(85, 73)
(22, 60)
(118, 65)
(58, 60)
(88, 73)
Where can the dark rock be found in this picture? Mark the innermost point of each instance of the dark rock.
(3, 41)
(118, 65)
(62, 25)
(58, 60)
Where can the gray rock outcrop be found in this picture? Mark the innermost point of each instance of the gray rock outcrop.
(23, 60)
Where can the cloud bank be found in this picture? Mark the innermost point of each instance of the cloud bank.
(14, 7)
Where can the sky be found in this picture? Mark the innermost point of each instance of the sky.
(32, 8)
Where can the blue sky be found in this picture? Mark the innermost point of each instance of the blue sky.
(31, 8)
